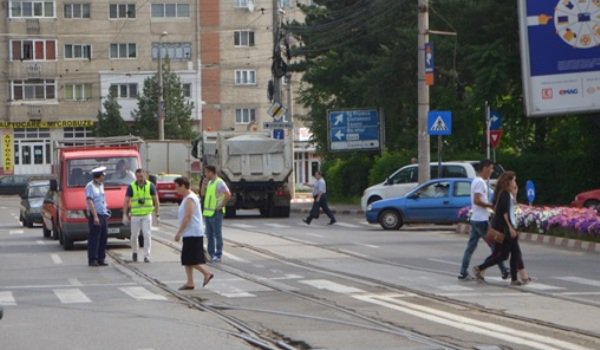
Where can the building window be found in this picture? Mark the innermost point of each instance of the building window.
(31, 133)
(170, 10)
(118, 11)
(123, 50)
(241, 3)
(79, 133)
(78, 51)
(77, 10)
(186, 90)
(31, 9)
(34, 50)
(33, 89)
(174, 51)
(245, 77)
(123, 90)
(243, 38)
(285, 3)
(245, 115)
(78, 92)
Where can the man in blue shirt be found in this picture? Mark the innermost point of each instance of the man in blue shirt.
(97, 218)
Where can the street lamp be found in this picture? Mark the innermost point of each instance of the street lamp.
(161, 97)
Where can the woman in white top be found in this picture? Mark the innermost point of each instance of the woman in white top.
(191, 231)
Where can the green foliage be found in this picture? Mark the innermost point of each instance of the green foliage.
(385, 165)
(110, 122)
(178, 111)
(346, 178)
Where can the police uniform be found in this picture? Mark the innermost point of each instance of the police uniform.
(98, 235)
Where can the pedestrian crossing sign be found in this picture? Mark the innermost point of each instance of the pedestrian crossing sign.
(439, 123)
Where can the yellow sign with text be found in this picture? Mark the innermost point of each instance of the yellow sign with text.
(49, 125)
(8, 153)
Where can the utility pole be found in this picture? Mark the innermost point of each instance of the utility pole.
(276, 43)
(161, 94)
(423, 93)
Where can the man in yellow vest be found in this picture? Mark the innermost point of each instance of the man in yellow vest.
(141, 200)
(216, 195)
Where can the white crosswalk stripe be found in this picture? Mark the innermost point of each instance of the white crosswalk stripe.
(277, 225)
(7, 299)
(240, 225)
(332, 286)
(16, 232)
(533, 285)
(579, 280)
(71, 296)
(344, 224)
(141, 293)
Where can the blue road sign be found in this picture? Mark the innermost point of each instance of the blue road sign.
(429, 61)
(353, 130)
(439, 123)
(495, 120)
(530, 188)
(278, 134)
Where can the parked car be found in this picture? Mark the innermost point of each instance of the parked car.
(32, 200)
(588, 199)
(436, 201)
(406, 178)
(13, 184)
(166, 188)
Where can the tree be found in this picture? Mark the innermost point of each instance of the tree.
(110, 122)
(178, 111)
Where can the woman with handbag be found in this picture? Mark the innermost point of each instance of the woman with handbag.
(505, 224)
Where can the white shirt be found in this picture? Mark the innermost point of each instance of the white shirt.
(195, 227)
(479, 213)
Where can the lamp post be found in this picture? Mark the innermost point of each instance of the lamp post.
(161, 97)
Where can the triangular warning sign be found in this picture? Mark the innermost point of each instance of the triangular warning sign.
(439, 125)
(495, 136)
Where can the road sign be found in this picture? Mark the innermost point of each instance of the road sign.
(278, 125)
(495, 136)
(276, 110)
(530, 188)
(439, 123)
(429, 64)
(278, 134)
(353, 130)
(495, 120)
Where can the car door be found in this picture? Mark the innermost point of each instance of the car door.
(429, 202)
(401, 182)
(460, 198)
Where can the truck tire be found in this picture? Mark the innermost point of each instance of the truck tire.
(282, 212)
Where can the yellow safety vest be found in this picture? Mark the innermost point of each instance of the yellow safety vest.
(210, 198)
(141, 194)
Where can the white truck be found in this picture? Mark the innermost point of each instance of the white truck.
(170, 157)
(255, 166)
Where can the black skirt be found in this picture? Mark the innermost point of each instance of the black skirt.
(192, 252)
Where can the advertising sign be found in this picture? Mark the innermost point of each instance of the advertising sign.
(560, 50)
(8, 153)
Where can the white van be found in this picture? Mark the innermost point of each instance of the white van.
(406, 178)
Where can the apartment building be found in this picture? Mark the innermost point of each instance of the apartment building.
(60, 59)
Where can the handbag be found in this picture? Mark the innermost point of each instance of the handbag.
(494, 236)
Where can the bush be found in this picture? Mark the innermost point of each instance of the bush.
(347, 178)
(385, 165)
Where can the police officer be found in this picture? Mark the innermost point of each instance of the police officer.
(97, 218)
(141, 200)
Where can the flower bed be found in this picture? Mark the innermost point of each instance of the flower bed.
(568, 222)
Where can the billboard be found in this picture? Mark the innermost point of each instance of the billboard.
(560, 56)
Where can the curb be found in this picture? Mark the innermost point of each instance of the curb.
(553, 241)
(335, 211)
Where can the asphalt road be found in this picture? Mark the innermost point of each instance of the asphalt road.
(346, 286)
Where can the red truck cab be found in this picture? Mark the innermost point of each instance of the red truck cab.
(73, 168)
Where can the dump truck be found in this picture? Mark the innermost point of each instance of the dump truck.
(255, 167)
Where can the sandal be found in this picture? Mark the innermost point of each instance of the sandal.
(186, 287)
(206, 280)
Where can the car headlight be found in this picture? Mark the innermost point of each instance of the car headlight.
(76, 214)
(369, 207)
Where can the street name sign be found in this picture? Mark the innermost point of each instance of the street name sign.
(357, 129)
(278, 125)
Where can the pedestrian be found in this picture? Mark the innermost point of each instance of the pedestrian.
(523, 275)
(190, 232)
(97, 218)
(479, 217)
(141, 199)
(319, 194)
(216, 195)
(504, 222)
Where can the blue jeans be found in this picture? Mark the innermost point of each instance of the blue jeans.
(214, 234)
(97, 239)
(478, 230)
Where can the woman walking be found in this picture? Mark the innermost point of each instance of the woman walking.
(505, 222)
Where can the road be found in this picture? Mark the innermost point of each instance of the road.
(286, 285)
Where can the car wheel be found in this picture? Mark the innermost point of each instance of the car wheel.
(390, 219)
(373, 199)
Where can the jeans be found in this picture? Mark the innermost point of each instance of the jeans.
(214, 235)
(145, 224)
(478, 230)
(97, 239)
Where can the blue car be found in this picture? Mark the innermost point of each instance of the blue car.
(435, 201)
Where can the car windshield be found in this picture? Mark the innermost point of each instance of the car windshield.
(118, 170)
(498, 170)
(38, 191)
(167, 178)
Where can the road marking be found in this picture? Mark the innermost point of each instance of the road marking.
(368, 245)
(141, 293)
(579, 280)
(16, 232)
(71, 296)
(453, 263)
(488, 329)
(154, 228)
(454, 288)
(343, 224)
(241, 225)
(75, 282)
(479, 294)
(40, 242)
(591, 294)
(7, 299)
(56, 259)
(534, 285)
(233, 257)
(277, 225)
(45, 286)
(290, 276)
(229, 291)
(332, 286)
(355, 253)
(313, 234)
